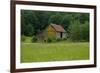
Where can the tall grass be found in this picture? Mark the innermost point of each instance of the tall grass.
(42, 52)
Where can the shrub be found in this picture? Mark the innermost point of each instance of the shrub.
(23, 38)
(64, 39)
(49, 40)
(58, 39)
(34, 39)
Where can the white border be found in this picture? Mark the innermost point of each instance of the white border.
(57, 63)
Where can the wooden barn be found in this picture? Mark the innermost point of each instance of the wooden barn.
(53, 31)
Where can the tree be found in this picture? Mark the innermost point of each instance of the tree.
(55, 18)
(85, 31)
(84, 17)
(27, 20)
(75, 31)
(29, 30)
(66, 21)
(79, 32)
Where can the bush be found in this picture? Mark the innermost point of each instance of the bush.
(23, 38)
(49, 40)
(34, 39)
(64, 39)
(58, 40)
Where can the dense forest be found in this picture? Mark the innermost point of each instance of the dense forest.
(75, 24)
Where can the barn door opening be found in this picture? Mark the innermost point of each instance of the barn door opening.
(61, 34)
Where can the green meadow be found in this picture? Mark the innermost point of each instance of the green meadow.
(59, 51)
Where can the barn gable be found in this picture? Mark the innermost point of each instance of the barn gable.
(50, 32)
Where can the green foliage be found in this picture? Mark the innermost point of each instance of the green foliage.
(34, 39)
(65, 38)
(79, 32)
(29, 30)
(85, 31)
(75, 24)
(66, 21)
(49, 40)
(75, 30)
(23, 38)
(58, 40)
(27, 21)
(56, 18)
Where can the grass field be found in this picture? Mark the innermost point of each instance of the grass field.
(42, 52)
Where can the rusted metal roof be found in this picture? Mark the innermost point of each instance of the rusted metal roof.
(58, 28)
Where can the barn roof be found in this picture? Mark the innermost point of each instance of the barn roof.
(58, 28)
